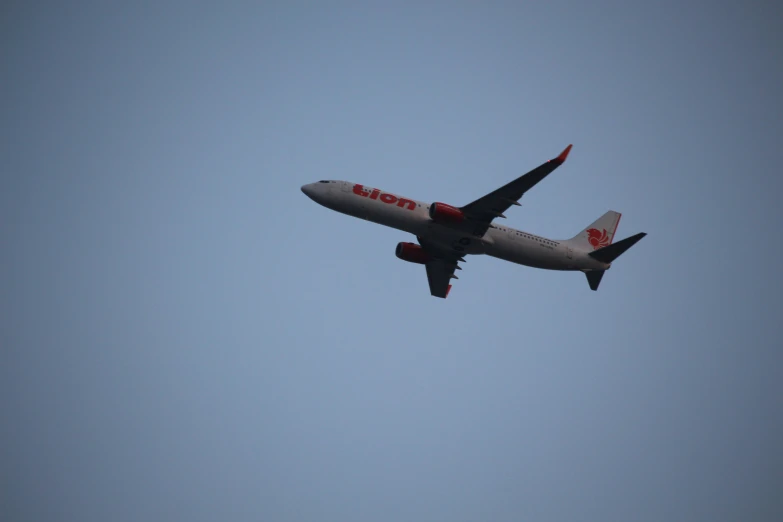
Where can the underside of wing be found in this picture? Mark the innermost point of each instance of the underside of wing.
(440, 269)
(439, 275)
(493, 205)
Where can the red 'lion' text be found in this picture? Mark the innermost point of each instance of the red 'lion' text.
(389, 199)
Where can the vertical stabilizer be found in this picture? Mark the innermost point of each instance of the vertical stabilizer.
(599, 234)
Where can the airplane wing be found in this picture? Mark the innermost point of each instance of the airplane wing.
(439, 274)
(440, 270)
(482, 211)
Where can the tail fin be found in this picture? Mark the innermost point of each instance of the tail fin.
(608, 254)
(599, 234)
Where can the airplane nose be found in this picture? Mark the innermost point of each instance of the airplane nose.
(308, 190)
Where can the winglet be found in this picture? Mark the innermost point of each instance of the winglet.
(563, 155)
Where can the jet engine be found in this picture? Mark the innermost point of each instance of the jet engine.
(446, 214)
(412, 253)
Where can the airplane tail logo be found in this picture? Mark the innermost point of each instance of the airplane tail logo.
(598, 234)
(598, 238)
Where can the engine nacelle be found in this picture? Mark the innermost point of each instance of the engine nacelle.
(446, 214)
(412, 253)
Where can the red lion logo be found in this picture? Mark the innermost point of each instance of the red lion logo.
(597, 238)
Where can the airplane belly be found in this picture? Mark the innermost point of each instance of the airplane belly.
(455, 240)
(413, 220)
(529, 253)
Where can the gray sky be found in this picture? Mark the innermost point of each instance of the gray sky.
(187, 337)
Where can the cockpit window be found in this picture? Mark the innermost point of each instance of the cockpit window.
(324, 181)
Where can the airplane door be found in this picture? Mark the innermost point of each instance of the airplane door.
(346, 187)
(569, 252)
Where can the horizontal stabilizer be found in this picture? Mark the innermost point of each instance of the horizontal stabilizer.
(609, 253)
(594, 278)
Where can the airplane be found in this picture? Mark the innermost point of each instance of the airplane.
(446, 234)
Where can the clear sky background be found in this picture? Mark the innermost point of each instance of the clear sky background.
(187, 337)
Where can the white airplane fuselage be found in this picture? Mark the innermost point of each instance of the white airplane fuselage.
(412, 216)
